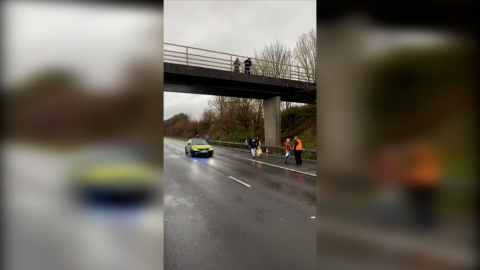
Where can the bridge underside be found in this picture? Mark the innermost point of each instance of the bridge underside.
(205, 81)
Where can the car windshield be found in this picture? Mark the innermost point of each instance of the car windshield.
(199, 142)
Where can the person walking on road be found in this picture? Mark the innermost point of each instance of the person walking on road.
(236, 65)
(207, 139)
(287, 151)
(248, 64)
(297, 149)
(253, 143)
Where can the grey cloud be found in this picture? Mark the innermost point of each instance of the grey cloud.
(236, 26)
(39, 35)
(175, 103)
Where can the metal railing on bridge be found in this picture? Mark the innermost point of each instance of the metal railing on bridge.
(190, 56)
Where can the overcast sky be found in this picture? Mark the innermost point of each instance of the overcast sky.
(236, 27)
(94, 40)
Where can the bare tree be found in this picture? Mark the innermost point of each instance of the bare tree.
(258, 117)
(273, 60)
(305, 54)
(218, 106)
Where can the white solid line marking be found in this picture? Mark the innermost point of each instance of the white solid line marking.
(312, 217)
(241, 182)
(314, 175)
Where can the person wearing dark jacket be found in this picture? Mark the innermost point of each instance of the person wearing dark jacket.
(248, 64)
(253, 144)
(297, 150)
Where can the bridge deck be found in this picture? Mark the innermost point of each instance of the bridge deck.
(207, 81)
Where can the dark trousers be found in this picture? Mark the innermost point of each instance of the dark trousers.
(247, 70)
(236, 69)
(422, 206)
(298, 157)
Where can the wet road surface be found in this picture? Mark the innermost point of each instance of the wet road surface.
(308, 167)
(227, 213)
(349, 237)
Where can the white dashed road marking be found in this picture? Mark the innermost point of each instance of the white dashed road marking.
(241, 182)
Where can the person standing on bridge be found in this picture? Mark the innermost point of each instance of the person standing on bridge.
(248, 64)
(253, 143)
(297, 150)
(287, 151)
(236, 65)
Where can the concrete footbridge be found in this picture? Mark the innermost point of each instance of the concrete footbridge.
(199, 71)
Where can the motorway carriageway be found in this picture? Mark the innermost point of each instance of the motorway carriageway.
(233, 213)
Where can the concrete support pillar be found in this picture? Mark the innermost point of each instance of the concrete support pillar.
(271, 113)
(340, 98)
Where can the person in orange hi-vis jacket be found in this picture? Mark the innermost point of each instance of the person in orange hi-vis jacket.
(422, 177)
(297, 150)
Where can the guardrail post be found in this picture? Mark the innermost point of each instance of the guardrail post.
(187, 54)
(231, 63)
(290, 72)
(298, 71)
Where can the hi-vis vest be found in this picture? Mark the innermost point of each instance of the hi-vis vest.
(299, 146)
(425, 171)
